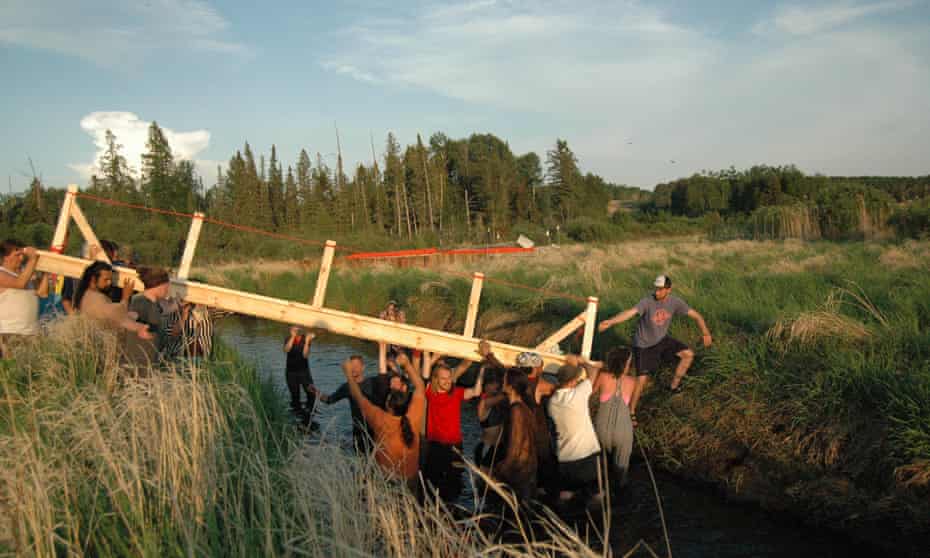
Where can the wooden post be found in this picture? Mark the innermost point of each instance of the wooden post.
(190, 246)
(473, 300)
(590, 321)
(64, 219)
(87, 232)
(321, 281)
(562, 332)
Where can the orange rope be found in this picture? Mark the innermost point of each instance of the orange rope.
(253, 230)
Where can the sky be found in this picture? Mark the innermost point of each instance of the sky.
(644, 92)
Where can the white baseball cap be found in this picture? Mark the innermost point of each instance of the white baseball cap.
(663, 282)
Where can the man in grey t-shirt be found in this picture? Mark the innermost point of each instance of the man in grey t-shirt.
(651, 343)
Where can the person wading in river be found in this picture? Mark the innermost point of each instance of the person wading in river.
(444, 427)
(297, 373)
(361, 434)
(651, 343)
(397, 440)
(516, 467)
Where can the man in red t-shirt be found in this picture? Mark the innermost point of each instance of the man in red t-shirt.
(444, 427)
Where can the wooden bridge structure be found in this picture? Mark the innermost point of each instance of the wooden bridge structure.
(313, 314)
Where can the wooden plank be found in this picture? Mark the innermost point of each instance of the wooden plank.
(563, 332)
(193, 235)
(87, 232)
(325, 265)
(471, 316)
(590, 321)
(69, 266)
(64, 220)
(343, 323)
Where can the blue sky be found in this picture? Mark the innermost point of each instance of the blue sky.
(838, 87)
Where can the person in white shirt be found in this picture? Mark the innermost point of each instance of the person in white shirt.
(19, 302)
(577, 448)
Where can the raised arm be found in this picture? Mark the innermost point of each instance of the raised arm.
(289, 344)
(307, 340)
(20, 282)
(415, 377)
(475, 390)
(618, 319)
(705, 333)
(369, 410)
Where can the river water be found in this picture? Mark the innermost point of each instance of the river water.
(699, 521)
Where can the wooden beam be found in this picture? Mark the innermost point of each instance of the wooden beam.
(87, 232)
(69, 266)
(562, 333)
(325, 265)
(193, 235)
(590, 321)
(473, 301)
(335, 321)
(64, 219)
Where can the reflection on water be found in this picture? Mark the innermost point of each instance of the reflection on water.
(700, 523)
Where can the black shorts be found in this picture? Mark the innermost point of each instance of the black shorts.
(580, 474)
(651, 358)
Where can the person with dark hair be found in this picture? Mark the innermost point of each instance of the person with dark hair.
(397, 441)
(92, 301)
(492, 413)
(651, 343)
(517, 466)
(577, 448)
(612, 421)
(19, 302)
(538, 391)
(361, 434)
(297, 372)
(146, 304)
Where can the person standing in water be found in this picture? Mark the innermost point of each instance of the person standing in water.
(297, 372)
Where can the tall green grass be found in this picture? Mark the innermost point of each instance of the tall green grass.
(97, 459)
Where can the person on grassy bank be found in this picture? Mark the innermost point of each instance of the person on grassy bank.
(652, 346)
(149, 311)
(397, 442)
(19, 303)
(297, 372)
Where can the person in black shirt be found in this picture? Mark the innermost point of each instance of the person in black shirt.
(297, 370)
(361, 433)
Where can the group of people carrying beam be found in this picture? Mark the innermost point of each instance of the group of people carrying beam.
(554, 437)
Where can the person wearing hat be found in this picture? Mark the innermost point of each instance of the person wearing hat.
(652, 345)
(577, 448)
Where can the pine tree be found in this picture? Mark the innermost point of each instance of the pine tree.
(291, 207)
(305, 186)
(564, 179)
(116, 176)
(393, 179)
(275, 186)
(158, 170)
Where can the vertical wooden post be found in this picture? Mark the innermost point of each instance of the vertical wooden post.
(590, 322)
(64, 219)
(193, 235)
(427, 364)
(473, 300)
(325, 265)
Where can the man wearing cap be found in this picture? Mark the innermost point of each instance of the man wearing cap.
(577, 448)
(651, 343)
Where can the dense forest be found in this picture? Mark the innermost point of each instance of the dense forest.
(446, 191)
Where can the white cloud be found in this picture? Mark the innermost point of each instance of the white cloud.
(132, 133)
(602, 75)
(115, 32)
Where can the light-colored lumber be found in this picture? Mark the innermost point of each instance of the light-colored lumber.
(590, 320)
(69, 266)
(87, 232)
(193, 235)
(474, 300)
(64, 219)
(326, 265)
(563, 332)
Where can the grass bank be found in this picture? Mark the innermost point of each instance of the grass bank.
(96, 460)
(815, 398)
